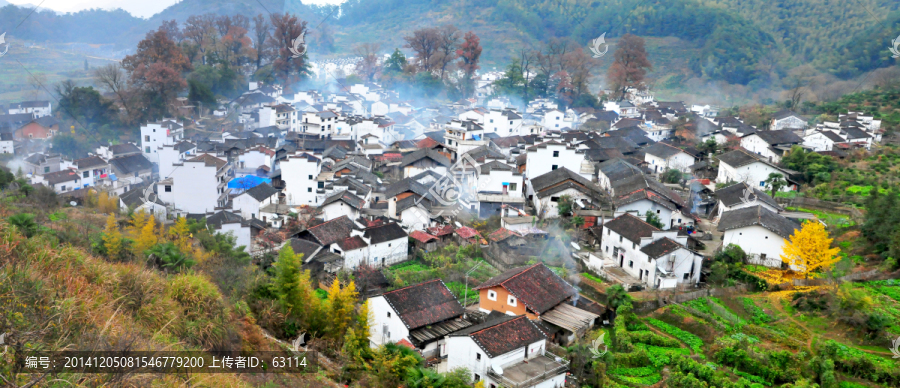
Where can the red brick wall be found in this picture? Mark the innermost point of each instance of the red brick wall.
(35, 130)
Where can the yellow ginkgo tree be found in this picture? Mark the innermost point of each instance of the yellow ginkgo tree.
(809, 249)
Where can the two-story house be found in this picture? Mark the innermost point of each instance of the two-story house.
(505, 352)
(656, 258)
(158, 134)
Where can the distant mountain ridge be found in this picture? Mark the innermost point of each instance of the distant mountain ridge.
(739, 41)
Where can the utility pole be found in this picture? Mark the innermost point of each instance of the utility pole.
(466, 291)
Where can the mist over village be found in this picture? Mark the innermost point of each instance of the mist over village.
(418, 194)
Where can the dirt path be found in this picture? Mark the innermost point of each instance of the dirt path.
(777, 306)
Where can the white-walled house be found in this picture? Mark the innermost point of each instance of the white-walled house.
(499, 184)
(771, 144)
(760, 232)
(504, 122)
(91, 168)
(662, 156)
(743, 166)
(400, 315)
(37, 108)
(546, 190)
(822, 140)
(343, 203)
(656, 258)
(786, 119)
(171, 154)
(299, 172)
(613, 170)
(233, 224)
(252, 200)
(742, 195)
(505, 352)
(640, 194)
(158, 134)
(199, 185)
(551, 155)
(388, 244)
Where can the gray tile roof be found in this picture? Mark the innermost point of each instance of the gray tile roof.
(757, 215)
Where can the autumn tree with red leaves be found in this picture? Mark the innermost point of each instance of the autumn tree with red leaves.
(286, 68)
(156, 71)
(470, 53)
(630, 65)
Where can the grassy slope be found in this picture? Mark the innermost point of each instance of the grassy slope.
(55, 297)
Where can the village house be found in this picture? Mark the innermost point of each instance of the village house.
(547, 189)
(760, 232)
(742, 195)
(91, 168)
(225, 222)
(157, 134)
(298, 171)
(786, 119)
(662, 156)
(744, 166)
(39, 128)
(37, 108)
(552, 155)
(252, 200)
(132, 169)
(614, 170)
(640, 194)
(824, 141)
(136, 200)
(771, 144)
(655, 258)
(419, 316)
(198, 185)
(60, 181)
(538, 293)
(342, 203)
(505, 352)
(422, 160)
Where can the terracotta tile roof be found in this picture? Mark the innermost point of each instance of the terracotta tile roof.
(501, 234)
(424, 304)
(536, 286)
(422, 236)
(467, 232)
(427, 143)
(351, 243)
(440, 231)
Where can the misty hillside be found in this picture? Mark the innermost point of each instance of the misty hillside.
(740, 42)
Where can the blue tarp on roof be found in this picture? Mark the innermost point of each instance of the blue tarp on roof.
(248, 182)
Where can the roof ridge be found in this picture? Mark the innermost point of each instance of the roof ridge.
(414, 285)
(520, 272)
(493, 326)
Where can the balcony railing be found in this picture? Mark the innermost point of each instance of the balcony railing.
(560, 366)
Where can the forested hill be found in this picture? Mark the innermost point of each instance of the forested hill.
(739, 41)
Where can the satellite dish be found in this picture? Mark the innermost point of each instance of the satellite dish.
(458, 225)
(73, 203)
(497, 369)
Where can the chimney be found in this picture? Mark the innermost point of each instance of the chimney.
(392, 208)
